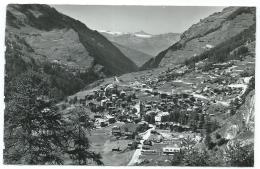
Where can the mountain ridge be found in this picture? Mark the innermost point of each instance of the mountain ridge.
(204, 35)
(142, 41)
(41, 39)
(45, 18)
(138, 57)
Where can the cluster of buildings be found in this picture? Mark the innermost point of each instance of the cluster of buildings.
(134, 103)
(164, 144)
(109, 104)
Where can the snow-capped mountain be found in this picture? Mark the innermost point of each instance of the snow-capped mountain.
(111, 32)
(141, 34)
(142, 41)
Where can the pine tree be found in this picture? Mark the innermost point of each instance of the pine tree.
(78, 149)
(32, 123)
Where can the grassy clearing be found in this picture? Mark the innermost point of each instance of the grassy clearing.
(103, 142)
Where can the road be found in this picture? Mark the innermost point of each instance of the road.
(137, 153)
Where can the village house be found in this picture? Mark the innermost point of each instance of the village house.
(156, 138)
(171, 150)
(116, 131)
(158, 117)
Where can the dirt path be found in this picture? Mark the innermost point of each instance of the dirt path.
(137, 153)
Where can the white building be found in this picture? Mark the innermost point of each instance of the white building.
(170, 150)
(158, 117)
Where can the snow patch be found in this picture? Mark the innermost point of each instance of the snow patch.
(143, 36)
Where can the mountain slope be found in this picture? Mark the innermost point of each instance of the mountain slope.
(205, 35)
(64, 50)
(139, 58)
(58, 38)
(142, 41)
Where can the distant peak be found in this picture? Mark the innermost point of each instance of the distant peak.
(142, 33)
(111, 32)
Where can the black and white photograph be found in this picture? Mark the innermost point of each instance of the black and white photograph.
(129, 85)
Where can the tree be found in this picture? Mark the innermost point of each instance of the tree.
(150, 118)
(177, 159)
(188, 143)
(35, 131)
(207, 140)
(32, 122)
(196, 158)
(142, 128)
(78, 147)
(239, 155)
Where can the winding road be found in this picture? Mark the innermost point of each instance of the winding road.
(137, 153)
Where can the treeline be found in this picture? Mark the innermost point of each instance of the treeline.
(20, 58)
(233, 155)
(240, 11)
(36, 132)
(62, 82)
(67, 82)
(222, 52)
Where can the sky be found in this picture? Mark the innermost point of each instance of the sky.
(151, 19)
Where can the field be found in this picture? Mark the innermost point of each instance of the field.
(103, 142)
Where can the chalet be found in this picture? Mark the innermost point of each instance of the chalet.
(109, 104)
(110, 109)
(155, 93)
(179, 128)
(138, 138)
(133, 145)
(116, 131)
(171, 150)
(103, 102)
(122, 118)
(129, 134)
(122, 93)
(148, 107)
(97, 116)
(82, 101)
(163, 95)
(148, 152)
(115, 112)
(208, 46)
(148, 142)
(89, 97)
(95, 93)
(111, 119)
(92, 105)
(156, 138)
(103, 124)
(114, 96)
(133, 117)
(164, 100)
(149, 91)
(146, 147)
(158, 117)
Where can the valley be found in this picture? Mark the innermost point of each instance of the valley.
(202, 96)
(77, 96)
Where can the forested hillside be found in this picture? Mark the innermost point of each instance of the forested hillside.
(48, 57)
(206, 35)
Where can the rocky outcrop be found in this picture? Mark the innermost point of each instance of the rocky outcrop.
(241, 125)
